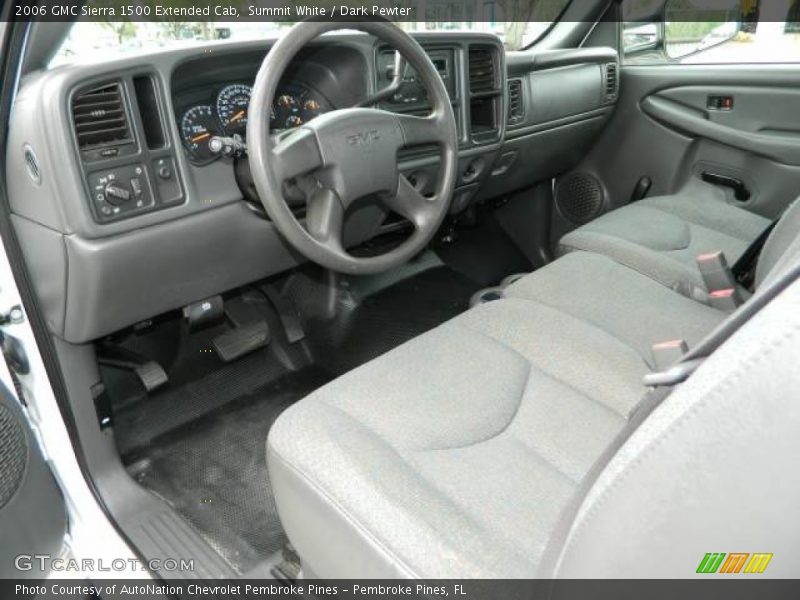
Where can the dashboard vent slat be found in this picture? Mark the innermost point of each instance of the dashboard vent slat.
(516, 108)
(612, 81)
(99, 117)
(481, 70)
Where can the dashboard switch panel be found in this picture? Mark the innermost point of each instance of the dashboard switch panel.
(129, 190)
(120, 192)
(167, 183)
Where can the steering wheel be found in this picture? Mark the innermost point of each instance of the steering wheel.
(349, 154)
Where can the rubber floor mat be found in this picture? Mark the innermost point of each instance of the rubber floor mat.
(200, 444)
(213, 471)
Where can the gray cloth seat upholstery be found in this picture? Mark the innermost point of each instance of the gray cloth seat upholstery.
(456, 454)
(662, 236)
(634, 309)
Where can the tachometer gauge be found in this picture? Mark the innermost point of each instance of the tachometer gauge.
(233, 103)
(198, 126)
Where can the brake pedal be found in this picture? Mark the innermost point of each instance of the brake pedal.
(242, 340)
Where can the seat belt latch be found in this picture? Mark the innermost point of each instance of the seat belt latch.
(727, 300)
(716, 273)
(666, 354)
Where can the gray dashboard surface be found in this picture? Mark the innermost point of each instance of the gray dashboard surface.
(95, 278)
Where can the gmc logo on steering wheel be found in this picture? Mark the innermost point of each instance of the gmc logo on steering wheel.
(364, 138)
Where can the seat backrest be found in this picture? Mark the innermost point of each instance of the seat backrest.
(713, 469)
(782, 248)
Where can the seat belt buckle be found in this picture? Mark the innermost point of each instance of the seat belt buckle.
(714, 270)
(666, 354)
(728, 299)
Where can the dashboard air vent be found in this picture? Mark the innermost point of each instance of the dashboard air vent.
(100, 117)
(612, 81)
(481, 70)
(516, 109)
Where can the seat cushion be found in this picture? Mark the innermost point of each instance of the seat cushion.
(454, 454)
(634, 309)
(661, 237)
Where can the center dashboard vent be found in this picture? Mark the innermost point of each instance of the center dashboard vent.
(516, 108)
(612, 81)
(100, 117)
(481, 70)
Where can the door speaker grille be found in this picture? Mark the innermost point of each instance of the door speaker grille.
(13, 454)
(579, 197)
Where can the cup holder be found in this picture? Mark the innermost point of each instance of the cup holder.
(486, 295)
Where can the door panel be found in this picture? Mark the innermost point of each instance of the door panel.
(32, 512)
(663, 129)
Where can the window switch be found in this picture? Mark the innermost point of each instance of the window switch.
(720, 103)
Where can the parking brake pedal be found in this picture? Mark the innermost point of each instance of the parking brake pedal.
(149, 372)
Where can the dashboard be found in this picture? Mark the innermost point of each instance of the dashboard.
(123, 213)
(224, 111)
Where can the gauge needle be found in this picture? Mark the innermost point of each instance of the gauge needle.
(237, 116)
(202, 136)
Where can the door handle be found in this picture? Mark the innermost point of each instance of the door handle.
(740, 191)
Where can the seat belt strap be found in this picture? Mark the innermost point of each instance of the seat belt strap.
(744, 271)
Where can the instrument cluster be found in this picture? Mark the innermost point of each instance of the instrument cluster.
(294, 105)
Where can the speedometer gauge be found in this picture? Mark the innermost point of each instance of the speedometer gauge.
(198, 126)
(233, 102)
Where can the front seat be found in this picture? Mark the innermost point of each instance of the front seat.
(662, 236)
(465, 452)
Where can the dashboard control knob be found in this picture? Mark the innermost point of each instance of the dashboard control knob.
(116, 194)
(164, 172)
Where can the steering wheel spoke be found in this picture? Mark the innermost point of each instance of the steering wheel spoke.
(410, 203)
(420, 130)
(296, 154)
(325, 217)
